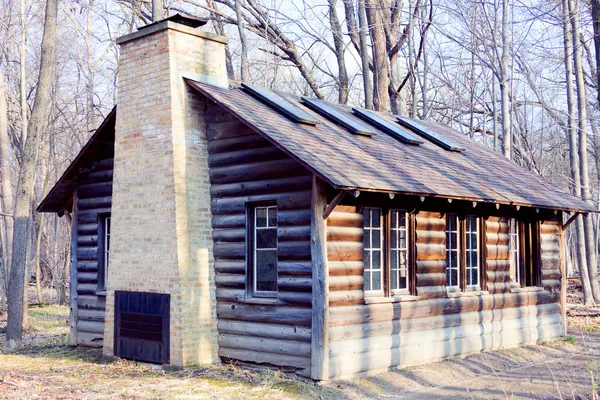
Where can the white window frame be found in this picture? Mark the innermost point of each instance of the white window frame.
(514, 251)
(397, 269)
(450, 268)
(255, 249)
(368, 230)
(105, 221)
(469, 251)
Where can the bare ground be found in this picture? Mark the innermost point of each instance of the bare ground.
(48, 368)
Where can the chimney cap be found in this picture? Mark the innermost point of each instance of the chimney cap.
(187, 20)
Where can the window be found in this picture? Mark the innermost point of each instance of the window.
(373, 260)
(452, 251)
(263, 274)
(463, 256)
(103, 250)
(524, 253)
(386, 252)
(398, 250)
(515, 257)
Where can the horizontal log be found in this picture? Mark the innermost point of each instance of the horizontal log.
(337, 283)
(294, 283)
(87, 266)
(229, 235)
(91, 190)
(256, 170)
(87, 217)
(260, 357)
(493, 239)
(229, 221)
(104, 165)
(289, 251)
(551, 283)
(95, 202)
(550, 228)
(87, 277)
(226, 129)
(340, 216)
(91, 326)
(264, 186)
(551, 274)
(344, 234)
(90, 315)
(431, 279)
(87, 253)
(430, 221)
(86, 229)
(270, 331)
(294, 268)
(100, 176)
(498, 265)
(230, 267)
(497, 226)
(276, 346)
(344, 251)
(498, 252)
(431, 237)
(245, 156)
(87, 288)
(231, 281)
(236, 143)
(301, 299)
(265, 313)
(345, 268)
(87, 240)
(91, 302)
(346, 298)
(285, 201)
(294, 233)
(427, 251)
(229, 251)
(431, 292)
(498, 287)
(431, 266)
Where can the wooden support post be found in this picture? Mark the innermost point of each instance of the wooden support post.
(569, 221)
(563, 279)
(319, 366)
(73, 273)
(336, 200)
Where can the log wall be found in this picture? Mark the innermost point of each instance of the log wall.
(93, 197)
(367, 337)
(244, 167)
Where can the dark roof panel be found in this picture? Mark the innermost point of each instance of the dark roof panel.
(330, 112)
(292, 111)
(382, 163)
(429, 134)
(387, 126)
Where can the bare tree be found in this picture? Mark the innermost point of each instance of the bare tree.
(14, 329)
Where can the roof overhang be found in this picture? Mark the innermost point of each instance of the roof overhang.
(100, 146)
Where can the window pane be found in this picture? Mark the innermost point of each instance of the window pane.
(367, 277)
(377, 260)
(376, 217)
(453, 279)
(376, 238)
(403, 284)
(394, 262)
(394, 280)
(376, 280)
(272, 213)
(474, 280)
(261, 217)
(367, 239)
(266, 238)
(367, 259)
(266, 271)
(393, 219)
(393, 238)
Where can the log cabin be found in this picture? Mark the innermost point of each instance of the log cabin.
(213, 221)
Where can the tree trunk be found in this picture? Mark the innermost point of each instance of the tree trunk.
(14, 328)
(5, 182)
(596, 23)
(340, 52)
(364, 55)
(504, 83)
(579, 238)
(381, 81)
(244, 73)
(586, 193)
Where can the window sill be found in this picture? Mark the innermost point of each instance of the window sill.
(392, 299)
(259, 300)
(100, 292)
(470, 293)
(529, 289)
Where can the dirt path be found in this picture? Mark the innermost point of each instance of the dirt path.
(554, 370)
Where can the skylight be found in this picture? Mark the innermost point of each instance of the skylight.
(291, 111)
(386, 126)
(338, 117)
(427, 133)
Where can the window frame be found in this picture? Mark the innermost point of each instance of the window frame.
(387, 291)
(518, 273)
(251, 272)
(462, 285)
(104, 234)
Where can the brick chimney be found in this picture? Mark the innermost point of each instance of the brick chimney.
(161, 238)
